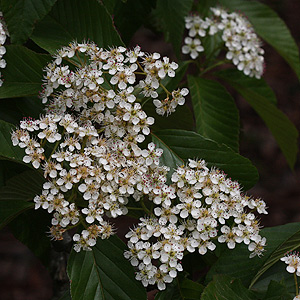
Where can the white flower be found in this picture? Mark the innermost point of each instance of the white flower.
(35, 157)
(293, 262)
(192, 47)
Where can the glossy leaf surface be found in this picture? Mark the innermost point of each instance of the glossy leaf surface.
(188, 144)
(103, 273)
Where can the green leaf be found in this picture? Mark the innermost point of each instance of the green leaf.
(168, 158)
(31, 229)
(277, 273)
(171, 14)
(110, 5)
(22, 187)
(203, 6)
(190, 289)
(171, 292)
(24, 72)
(216, 114)
(181, 289)
(31, 107)
(8, 112)
(292, 243)
(281, 127)
(188, 144)
(14, 109)
(269, 27)
(277, 291)
(15, 196)
(182, 118)
(237, 263)
(226, 288)
(2, 173)
(258, 86)
(9, 169)
(71, 20)
(212, 45)
(10, 209)
(66, 296)
(103, 273)
(7, 150)
(21, 16)
(130, 15)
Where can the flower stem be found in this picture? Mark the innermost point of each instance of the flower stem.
(147, 99)
(296, 284)
(213, 66)
(165, 89)
(53, 150)
(77, 54)
(135, 208)
(145, 208)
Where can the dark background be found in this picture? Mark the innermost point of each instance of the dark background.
(23, 277)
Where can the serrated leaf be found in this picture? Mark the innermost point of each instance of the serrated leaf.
(171, 292)
(191, 290)
(278, 274)
(188, 144)
(22, 187)
(14, 109)
(277, 291)
(171, 14)
(269, 27)
(289, 245)
(203, 6)
(71, 20)
(130, 15)
(66, 296)
(11, 209)
(212, 47)
(281, 127)
(24, 72)
(103, 273)
(182, 118)
(21, 16)
(216, 114)
(8, 112)
(110, 5)
(181, 289)
(31, 229)
(31, 107)
(226, 288)
(168, 158)
(15, 196)
(237, 263)
(7, 150)
(258, 86)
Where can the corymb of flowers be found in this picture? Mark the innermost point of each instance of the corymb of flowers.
(242, 44)
(88, 145)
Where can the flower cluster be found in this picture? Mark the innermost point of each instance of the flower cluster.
(200, 208)
(109, 81)
(242, 43)
(3, 35)
(87, 143)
